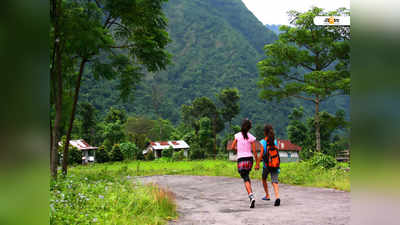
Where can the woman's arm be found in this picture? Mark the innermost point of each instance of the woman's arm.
(253, 145)
(234, 144)
(261, 154)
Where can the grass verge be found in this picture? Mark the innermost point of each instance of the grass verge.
(102, 197)
(296, 173)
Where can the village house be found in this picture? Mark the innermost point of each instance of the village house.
(288, 152)
(157, 147)
(88, 153)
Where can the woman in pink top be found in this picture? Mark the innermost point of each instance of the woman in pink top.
(245, 142)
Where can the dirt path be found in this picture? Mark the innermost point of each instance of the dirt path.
(222, 200)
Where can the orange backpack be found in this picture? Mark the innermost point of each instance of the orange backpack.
(271, 155)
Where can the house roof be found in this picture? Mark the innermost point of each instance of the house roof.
(160, 145)
(79, 144)
(287, 145)
(283, 145)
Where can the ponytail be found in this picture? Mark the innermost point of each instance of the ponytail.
(246, 126)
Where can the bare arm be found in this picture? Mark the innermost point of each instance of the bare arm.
(261, 154)
(234, 144)
(254, 149)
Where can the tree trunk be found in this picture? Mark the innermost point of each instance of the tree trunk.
(57, 79)
(215, 137)
(317, 126)
(71, 121)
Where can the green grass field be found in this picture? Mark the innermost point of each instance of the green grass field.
(291, 173)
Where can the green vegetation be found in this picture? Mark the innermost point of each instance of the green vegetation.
(216, 44)
(107, 197)
(116, 40)
(308, 173)
(308, 62)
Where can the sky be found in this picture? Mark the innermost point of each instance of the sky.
(274, 11)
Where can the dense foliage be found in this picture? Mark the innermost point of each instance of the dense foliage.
(215, 45)
(308, 62)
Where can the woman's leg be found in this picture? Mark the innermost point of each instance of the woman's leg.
(275, 181)
(247, 185)
(264, 181)
(276, 189)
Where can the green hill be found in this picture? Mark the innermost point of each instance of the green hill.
(215, 44)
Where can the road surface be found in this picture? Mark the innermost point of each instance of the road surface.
(223, 200)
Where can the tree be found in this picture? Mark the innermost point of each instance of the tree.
(302, 131)
(206, 135)
(118, 39)
(229, 98)
(88, 121)
(114, 127)
(203, 107)
(116, 154)
(309, 62)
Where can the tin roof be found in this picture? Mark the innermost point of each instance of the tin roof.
(160, 145)
(79, 144)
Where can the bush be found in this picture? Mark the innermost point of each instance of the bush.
(178, 156)
(102, 155)
(167, 152)
(149, 156)
(323, 160)
(131, 151)
(74, 156)
(196, 152)
(116, 154)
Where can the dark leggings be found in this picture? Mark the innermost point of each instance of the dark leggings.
(245, 175)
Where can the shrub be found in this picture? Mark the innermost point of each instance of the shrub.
(167, 152)
(131, 151)
(178, 156)
(116, 154)
(74, 156)
(323, 160)
(149, 156)
(196, 152)
(102, 155)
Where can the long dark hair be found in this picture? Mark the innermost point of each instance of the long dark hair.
(246, 126)
(270, 134)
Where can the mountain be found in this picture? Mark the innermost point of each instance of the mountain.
(215, 44)
(274, 28)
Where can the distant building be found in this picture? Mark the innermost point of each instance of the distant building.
(288, 152)
(88, 153)
(157, 147)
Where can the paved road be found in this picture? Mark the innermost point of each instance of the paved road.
(222, 200)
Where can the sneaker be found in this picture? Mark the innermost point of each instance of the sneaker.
(277, 202)
(252, 200)
(266, 199)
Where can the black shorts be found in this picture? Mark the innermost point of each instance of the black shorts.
(244, 167)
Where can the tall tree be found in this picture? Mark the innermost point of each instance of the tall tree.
(203, 107)
(118, 39)
(309, 62)
(230, 100)
(88, 121)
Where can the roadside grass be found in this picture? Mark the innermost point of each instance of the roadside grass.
(295, 173)
(102, 197)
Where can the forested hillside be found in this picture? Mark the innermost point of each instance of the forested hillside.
(215, 44)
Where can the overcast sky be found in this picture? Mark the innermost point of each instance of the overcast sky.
(274, 11)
